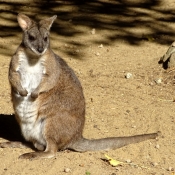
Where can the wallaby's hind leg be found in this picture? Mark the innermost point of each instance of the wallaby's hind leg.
(14, 145)
(50, 152)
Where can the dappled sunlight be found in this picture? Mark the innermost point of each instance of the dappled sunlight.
(114, 21)
(114, 47)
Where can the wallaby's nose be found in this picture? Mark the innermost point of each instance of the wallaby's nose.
(40, 49)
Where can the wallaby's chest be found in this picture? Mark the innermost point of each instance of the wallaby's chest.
(31, 72)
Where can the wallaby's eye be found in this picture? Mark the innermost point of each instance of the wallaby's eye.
(31, 38)
(45, 38)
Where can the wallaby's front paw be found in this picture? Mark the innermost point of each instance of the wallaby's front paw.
(34, 94)
(23, 93)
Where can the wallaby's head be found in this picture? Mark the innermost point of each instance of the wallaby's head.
(36, 35)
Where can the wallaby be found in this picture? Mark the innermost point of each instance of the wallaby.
(48, 98)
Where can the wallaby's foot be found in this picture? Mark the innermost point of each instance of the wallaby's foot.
(39, 146)
(37, 155)
(13, 145)
(51, 150)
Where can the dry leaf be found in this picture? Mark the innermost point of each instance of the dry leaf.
(112, 161)
(149, 38)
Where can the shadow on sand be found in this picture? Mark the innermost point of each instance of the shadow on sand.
(9, 128)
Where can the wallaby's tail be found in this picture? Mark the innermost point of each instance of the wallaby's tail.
(83, 144)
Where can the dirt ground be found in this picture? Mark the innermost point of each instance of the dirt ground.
(102, 41)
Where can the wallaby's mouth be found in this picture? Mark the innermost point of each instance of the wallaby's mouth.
(39, 51)
(35, 53)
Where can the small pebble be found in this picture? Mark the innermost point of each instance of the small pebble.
(157, 146)
(100, 46)
(170, 169)
(81, 165)
(97, 54)
(158, 81)
(128, 75)
(95, 126)
(128, 111)
(154, 163)
(93, 31)
(67, 170)
(151, 83)
(128, 161)
(117, 168)
(77, 51)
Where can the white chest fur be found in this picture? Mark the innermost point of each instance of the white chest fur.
(31, 72)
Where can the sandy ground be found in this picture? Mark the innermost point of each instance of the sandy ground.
(102, 41)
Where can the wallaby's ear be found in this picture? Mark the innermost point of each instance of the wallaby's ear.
(47, 23)
(24, 21)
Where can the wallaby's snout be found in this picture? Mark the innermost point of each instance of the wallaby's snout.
(40, 49)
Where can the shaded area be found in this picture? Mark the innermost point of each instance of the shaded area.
(164, 64)
(124, 20)
(9, 128)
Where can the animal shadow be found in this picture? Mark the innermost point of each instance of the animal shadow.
(164, 64)
(9, 128)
